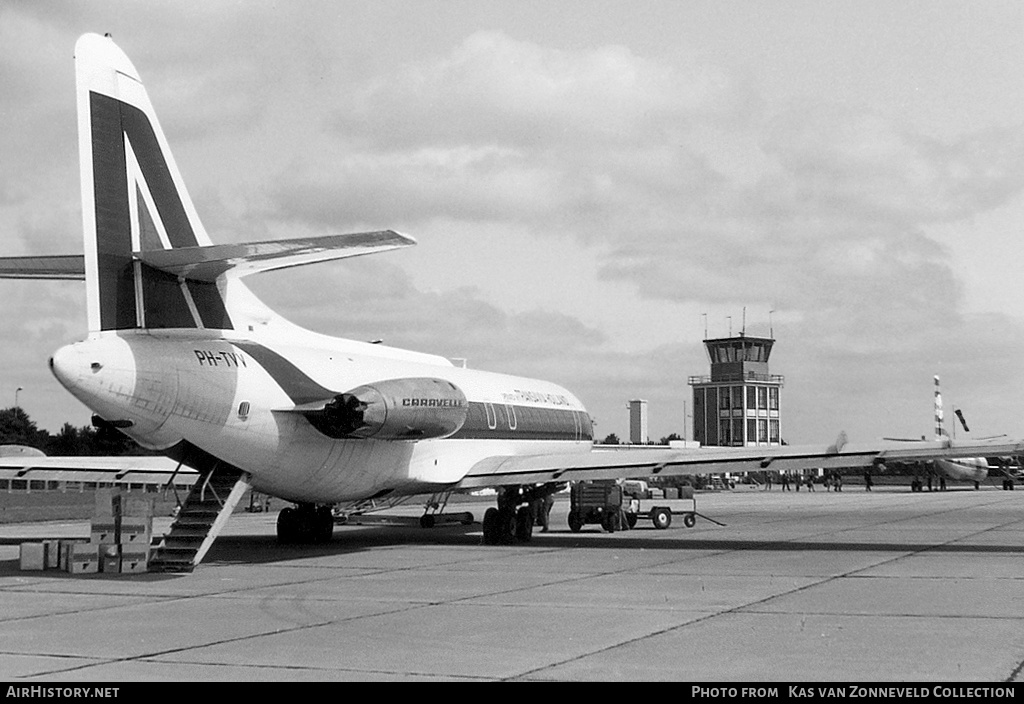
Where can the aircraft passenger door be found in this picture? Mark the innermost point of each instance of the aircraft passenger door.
(579, 425)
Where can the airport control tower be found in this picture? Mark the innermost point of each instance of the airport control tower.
(738, 404)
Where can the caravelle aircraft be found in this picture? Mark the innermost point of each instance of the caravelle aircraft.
(183, 358)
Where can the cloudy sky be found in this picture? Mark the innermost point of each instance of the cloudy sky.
(592, 185)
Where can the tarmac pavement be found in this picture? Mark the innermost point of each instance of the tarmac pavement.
(797, 587)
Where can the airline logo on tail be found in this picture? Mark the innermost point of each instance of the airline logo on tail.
(140, 205)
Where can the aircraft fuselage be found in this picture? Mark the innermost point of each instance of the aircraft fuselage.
(966, 469)
(256, 406)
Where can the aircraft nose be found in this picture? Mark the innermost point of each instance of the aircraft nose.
(66, 365)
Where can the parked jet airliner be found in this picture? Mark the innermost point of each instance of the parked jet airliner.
(958, 469)
(184, 359)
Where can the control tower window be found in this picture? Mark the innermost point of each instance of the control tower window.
(762, 397)
(773, 398)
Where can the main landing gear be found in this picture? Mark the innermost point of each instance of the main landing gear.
(305, 524)
(512, 521)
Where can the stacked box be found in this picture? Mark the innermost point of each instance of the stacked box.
(52, 554)
(136, 530)
(137, 505)
(108, 503)
(103, 531)
(33, 556)
(64, 548)
(134, 559)
(83, 558)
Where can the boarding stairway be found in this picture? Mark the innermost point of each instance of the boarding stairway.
(209, 504)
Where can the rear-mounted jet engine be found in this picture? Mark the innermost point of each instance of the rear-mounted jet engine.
(394, 409)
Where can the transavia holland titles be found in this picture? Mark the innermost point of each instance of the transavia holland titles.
(857, 692)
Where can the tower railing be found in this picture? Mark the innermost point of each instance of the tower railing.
(737, 376)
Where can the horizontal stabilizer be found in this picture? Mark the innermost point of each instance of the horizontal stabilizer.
(69, 266)
(206, 263)
(209, 262)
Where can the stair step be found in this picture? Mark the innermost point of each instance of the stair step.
(171, 567)
(182, 542)
(179, 547)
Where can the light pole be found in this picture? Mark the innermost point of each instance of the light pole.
(16, 392)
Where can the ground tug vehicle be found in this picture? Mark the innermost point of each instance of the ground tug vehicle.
(605, 503)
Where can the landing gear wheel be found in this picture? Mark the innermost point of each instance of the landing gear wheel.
(524, 524)
(612, 522)
(286, 532)
(305, 524)
(491, 526)
(324, 524)
(661, 518)
(689, 520)
(575, 522)
(426, 521)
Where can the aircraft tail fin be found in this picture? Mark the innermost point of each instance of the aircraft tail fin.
(940, 432)
(133, 200)
(148, 261)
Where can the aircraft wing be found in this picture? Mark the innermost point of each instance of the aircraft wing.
(117, 470)
(626, 461)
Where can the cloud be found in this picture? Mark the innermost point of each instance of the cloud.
(493, 89)
(369, 299)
